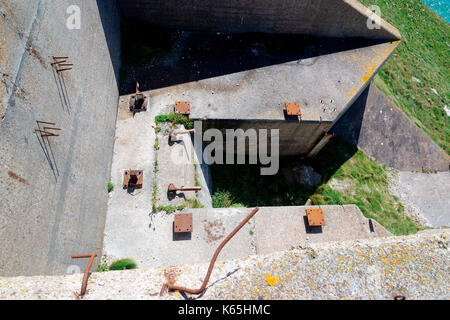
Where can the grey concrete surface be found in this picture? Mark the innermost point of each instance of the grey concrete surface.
(385, 133)
(415, 266)
(347, 18)
(425, 194)
(149, 239)
(53, 191)
(323, 85)
(175, 165)
(281, 228)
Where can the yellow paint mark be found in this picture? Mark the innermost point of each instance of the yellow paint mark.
(271, 281)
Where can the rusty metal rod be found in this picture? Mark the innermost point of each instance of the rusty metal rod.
(213, 260)
(66, 64)
(86, 271)
(172, 189)
(64, 70)
(58, 58)
(50, 128)
(47, 134)
(51, 123)
(58, 62)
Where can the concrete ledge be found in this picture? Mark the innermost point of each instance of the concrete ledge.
(414, 266)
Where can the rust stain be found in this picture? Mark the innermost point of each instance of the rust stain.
(33, 52)
(14, 176)
(214, 230)
(171, 274)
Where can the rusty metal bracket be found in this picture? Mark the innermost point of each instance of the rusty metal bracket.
(133, 179)
(315, 217)
(172, 287)
(183, 107)
(171, 189)
(86, 271)
(183, 223)
(293, 109)
(138, 101)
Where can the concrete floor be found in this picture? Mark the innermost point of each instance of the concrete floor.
(425, 194)
(134, 231)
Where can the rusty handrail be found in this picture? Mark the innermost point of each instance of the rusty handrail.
(213, 260)
(86, 271)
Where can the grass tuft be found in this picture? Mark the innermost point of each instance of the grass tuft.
(123, 264)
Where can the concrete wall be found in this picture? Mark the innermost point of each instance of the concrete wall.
(295, 138)
(415, 266)
(384, 132)
(53, 196)
(336, 18)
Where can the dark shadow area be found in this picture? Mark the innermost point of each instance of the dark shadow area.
(311, 229)
(110, 17)
(158, 57)
(173, 195)
(349, 125)
(48, 152)
(289, 118)
(243, 185)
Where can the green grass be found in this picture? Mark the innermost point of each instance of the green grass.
(175, 119)
(370, 186)
(110, 187)
(243, 186)
(123, 264)
(424, 54)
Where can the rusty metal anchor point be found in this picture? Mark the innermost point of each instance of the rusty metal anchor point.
(138, 101)
(293, 109)
(133, 179)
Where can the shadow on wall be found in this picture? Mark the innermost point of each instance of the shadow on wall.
(349, 125)
(159, 57)
(110, 17)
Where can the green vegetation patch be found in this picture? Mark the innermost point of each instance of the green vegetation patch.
(110, 187)
(242, 185)
(123, 264)
(420, 64)
(175, 119)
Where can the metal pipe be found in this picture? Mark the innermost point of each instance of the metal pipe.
(213, 260)
(86, 271)
(171, 188)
